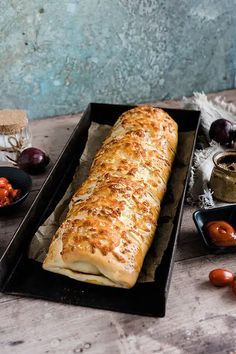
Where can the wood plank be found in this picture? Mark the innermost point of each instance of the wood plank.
(51, 135)
(200, 319)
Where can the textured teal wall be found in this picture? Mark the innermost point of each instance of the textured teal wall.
(56, 56)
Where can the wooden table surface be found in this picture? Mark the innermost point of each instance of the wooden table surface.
(199, 318)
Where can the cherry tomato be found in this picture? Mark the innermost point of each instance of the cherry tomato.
(234, 287)
(9, 187)
(4, 201)
(15, 193)
(3, 193)
(3, 182)
(221, 277)
(7, 201)
(7, 193)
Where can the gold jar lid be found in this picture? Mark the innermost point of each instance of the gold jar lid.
(226, 161)
(12, 121)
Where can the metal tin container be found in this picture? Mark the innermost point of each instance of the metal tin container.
(223, 176)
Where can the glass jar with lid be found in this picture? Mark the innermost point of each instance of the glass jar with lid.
(223, 176)
(15, 134)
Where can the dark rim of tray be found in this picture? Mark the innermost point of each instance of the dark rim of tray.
(22, 276)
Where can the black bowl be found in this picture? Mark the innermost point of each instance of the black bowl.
(202, 216)
(19, 180)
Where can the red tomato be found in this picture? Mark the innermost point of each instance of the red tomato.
(4, 201)
(3, 182)
(9, 188)
(234, 287)
(221, 277)
(15, 193)
(7, 201)
(3, 193)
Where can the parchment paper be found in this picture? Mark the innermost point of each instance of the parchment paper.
(97, 133)
(168, 207)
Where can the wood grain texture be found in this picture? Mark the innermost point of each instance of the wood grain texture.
(200, 318)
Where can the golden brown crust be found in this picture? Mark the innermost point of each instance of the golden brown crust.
(113, 215)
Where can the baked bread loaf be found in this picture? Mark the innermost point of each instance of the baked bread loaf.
(113, 216)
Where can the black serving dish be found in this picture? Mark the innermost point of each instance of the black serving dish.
(22, 276)
(202, 216)
(19, 180)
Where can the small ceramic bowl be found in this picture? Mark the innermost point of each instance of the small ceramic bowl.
(19, 180)
(202, 216)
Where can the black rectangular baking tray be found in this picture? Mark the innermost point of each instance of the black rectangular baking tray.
(22, 276)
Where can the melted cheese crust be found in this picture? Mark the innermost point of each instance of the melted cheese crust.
(113, 215)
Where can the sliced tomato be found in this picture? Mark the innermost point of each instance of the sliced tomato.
(3, 193)
(9, 188)
(3, 182)
(15, 193)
